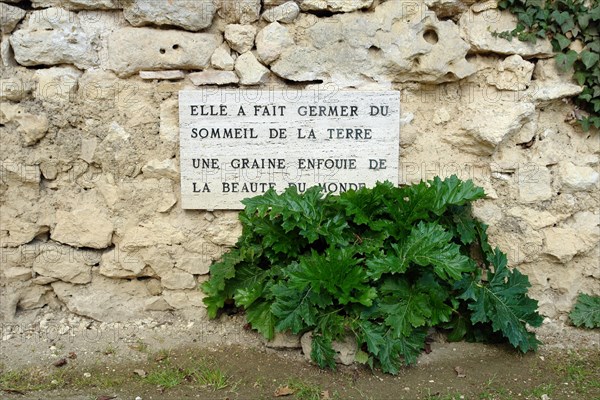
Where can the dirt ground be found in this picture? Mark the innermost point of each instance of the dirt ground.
(222, 360)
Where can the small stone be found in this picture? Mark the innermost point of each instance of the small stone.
(271, 41)
(284, 340)
(536, 187)
(240, 37)
(178, 280)
(190, 15)
(157, 304)
(32, 127)
(15, 274)
(12, 89)
(56, 84)
(213, 78)
(10, 16)
(334, 5)
(171, 75)
(83, 227)
(577, 178)
(87, 375)
(250, 71)
(221, 58)
(239, 11)
(513, 73)
(168, 168)
(286, 13)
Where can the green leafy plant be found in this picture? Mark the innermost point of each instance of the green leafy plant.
(383, 265)
(586, 311)
(573, 29)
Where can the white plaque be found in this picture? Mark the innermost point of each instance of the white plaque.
(238, 143)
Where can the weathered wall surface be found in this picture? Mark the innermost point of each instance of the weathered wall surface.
(89, 189)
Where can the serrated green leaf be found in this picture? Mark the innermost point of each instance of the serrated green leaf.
(261, 318)
(586, 311)
(322, 351)
(406, 309)
(293, 309)
(503, 301)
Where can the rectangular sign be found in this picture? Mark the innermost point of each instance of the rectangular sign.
(238, 143)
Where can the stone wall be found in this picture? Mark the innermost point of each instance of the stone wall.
(89, 189)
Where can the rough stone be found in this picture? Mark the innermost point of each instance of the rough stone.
(271, 41)
(536, 219)
(56, 84)
(345, 351)
(285, 13)
(34, 297)
(83, 227)
(161, 169)
(487, 212)
(490, 128)
(54, 36)
(12, 89)
(63, 263)
(447, 8)
(15, 274)
(563, 243)
(121, 265)
(194, 263)
(250, 71)
(240, 37)
(513, 73)
(359, 46)
(192, 15)
(548, 91)
(10, 16)
(334, 5)
(159, 50)
(221, 58)
(209, 77)
(32, 127)
(477, 29)
(239, 11)
(284, 340)
(535, 187)
(178, 280)
(162, 75)
(157, 304)
(79, 4)
(182, 299)
(121, 299)
(575, 178)
(169, 121)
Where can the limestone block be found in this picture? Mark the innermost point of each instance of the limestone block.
(563, 243)
(490, 127)
(63, 263)
(448, 8)
(535, 186)
(334, 5)
(221, 58)
(15, 274)
(119, 264)
(284, 340)
(192, 15)
(10, 16)
(120, 300)
(54, 36)
(12, 88)
(239, 11)
(209, 77)
(56, 84)
(250, 71)
(240, 37)
(157, 303)
(487, 212)
(285, 13)
(534, 218)
(83, 227)
(32, 127)
(33, 297)
(547, 91)
(194, 263)
(79, 4)
(477, 29)
(225, 231)
(169, 121)
(575, 178)
(182, 299)
(159, 50)
(271, 41)
(352, 46)
(176, 279)
(513, 73)
(162, 75)
(168, 168)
